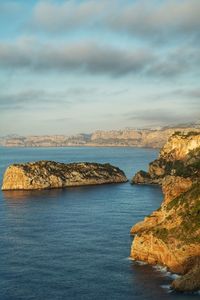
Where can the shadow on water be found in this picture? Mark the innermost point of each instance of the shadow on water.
(68, 192)
(57, 193)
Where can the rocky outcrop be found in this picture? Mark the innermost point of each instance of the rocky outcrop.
(179, 157)
(190, 280)
(180, 145)
(50, 174)
(173, 186)
(170, 236)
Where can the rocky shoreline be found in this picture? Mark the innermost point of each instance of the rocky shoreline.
(170, 236)
(50, 175)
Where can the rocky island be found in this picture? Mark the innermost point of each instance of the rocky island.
(51, 174)
(170, 236)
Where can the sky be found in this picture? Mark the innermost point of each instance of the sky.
(75, 66)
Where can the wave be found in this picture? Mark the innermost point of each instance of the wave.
(165, 272)
(167, 287)
(138, 262)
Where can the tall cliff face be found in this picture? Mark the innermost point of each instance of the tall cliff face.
(180, 145)
(171, 235)
(136, 138)
(179, 157)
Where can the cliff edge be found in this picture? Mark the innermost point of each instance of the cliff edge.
(178, 157)
(170, 236)
(50, 174)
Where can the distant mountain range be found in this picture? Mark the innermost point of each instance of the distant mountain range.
(151, 138)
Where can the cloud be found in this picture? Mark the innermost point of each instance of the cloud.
(58, 17)
(92, 58)
(80, 91)
(161, 116)
(58, 120)
(175, 62)
(31, 98)
(191, 95)
(37, 98)
(157, 20)
(85, 57)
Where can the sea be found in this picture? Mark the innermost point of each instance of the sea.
(74, 243)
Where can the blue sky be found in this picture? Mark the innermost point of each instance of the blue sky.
(76, 66)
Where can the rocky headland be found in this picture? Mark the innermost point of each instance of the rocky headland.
(170, 236)
(178, 157)
(50, 174)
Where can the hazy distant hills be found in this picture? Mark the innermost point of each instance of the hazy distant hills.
(45, 140)
(152, 138)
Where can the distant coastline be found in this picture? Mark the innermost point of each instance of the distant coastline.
(140, 138)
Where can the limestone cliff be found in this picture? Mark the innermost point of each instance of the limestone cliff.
(152, 138)
(170, 236)
(50, 174)
(179, 157)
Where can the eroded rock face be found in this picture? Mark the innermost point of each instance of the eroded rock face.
(50, 174)
(173, 186)
(170, 236)
(179, 157)
(191, 280)
(180, 145)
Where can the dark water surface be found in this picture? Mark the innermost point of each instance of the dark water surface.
(75, 243)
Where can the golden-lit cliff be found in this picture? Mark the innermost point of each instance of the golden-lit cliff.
(177, 157)
(170, 236)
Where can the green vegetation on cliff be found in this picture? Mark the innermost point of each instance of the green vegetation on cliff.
(171, 235)
(187, 208)
(186, 134)
(182, 161)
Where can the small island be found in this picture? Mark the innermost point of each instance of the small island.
(51, 175)
(170, 236)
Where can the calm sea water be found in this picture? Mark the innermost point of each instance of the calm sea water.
(75, 243)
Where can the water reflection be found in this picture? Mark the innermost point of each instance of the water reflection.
(22, 195)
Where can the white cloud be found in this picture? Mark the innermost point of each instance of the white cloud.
(148, 19)
(85, 57)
